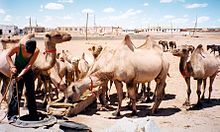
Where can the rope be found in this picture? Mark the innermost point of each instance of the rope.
(6, 92)
(91, 86)
(4, 97)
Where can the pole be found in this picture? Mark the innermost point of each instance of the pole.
(87, 16)
(194, 30)
(30, 24)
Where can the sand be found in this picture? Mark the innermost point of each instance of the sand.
(172, 116)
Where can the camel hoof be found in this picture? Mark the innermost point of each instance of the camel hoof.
(148, 100)
(142, 99)
(197, 106)
(104, 108)
(152, 112)
(134, 113)
(202, 98)
(187, 103)
(116, 114)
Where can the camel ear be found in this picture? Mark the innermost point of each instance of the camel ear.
(48, 36)
(191, 49)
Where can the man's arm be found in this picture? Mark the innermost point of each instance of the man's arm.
(27, 37)
(31, 62)
(10, 53)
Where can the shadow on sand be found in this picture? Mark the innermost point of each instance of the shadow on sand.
(205, 104)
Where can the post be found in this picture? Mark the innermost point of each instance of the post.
(87, 16)
(30, 24)
(194, 30)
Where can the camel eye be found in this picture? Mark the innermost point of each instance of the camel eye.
(184, 50)
(74, 89)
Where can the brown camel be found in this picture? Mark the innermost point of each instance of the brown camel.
(131, 66)
(164, 45)
(200, 66)
(172, 45)
(214, 48)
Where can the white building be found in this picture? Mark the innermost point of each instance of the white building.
(9, 30)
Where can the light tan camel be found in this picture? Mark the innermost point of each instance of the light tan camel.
(200, 66)
(9, 40)
(96, 50)
(60, 75)
(131, 66)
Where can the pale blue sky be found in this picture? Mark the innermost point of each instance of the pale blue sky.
(124, 13)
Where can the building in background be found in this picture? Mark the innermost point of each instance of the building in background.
(36, 29)
(8, 30)
(98, 30)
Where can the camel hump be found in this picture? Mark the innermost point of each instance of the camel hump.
(199, 46)
(127, 39)
(149, 43)
(199, 49)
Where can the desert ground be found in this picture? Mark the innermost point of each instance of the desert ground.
(172, 116)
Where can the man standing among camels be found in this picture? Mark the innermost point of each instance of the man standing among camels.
(26, 54)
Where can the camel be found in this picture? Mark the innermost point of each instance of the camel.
(129, 65)
(96, 50)
(164, 45)
(56, 75)
(67, 57)
(46, 59)
(200, 66)
(172, 45)
(214, 48)
(9, 39)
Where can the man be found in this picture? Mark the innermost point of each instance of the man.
(26, 55)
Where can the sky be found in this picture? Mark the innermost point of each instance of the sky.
(128, 14)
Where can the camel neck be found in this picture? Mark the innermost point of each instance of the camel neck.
(49, 46)
(182, 64)
(48, 58)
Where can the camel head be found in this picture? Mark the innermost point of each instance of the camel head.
(74, 91)
(183, 50)
(14, 39)
(58, 37)
(96, 50)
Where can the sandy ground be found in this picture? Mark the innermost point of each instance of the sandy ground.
(172, 116)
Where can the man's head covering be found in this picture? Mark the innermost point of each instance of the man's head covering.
(30, 46)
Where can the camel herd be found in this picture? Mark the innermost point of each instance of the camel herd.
(126, 64)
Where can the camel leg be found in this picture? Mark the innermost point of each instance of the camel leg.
(103, 94)
(5, 82)
(39, 84)
(148, 91)
(132, 96)
(187, 102)
(119, 88)
(204, 86)
(198, 91)
(143, 93)
(159, 94)
(210, 86)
